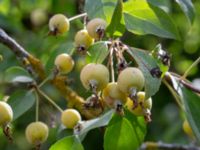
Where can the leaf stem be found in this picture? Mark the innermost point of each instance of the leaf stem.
(111, 66)
(44, 81)
(188, 70)
(78, 16)
(49, 99)
(36, 107)
(176, 97)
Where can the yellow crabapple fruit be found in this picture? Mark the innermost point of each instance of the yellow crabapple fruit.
(6, 113)
(111, 93)
(70, 118)
(143, 105)
(83, 40)
(64, 63)
(59, 24)
(37, 133)
(96, 28)
(130, 78)
(94, 76)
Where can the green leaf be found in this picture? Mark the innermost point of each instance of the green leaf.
(139, 126)
(64, 132)
(188, 9)
(164, 5)
(146, 63)
(191, 103)
(17, 74)
(94, 140)
(95, 123)
(4, 6)
(21, 101)
(67, 143)
(97, 52)
(116, 27)
(100, 9)
(120, 135)
(143, 18)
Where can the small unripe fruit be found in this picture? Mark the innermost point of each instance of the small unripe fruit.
(58, 24)
(70, 118)
(96, 28)
(64, 63)
(187, 129)
(37, 133)
(38, 17)
(143, 105)
(82, 39)
(6, 113)
(94, 75)
(130, 78)
(112, 93)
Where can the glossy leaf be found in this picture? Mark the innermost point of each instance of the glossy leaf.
(139, 126)
(146, 64)
(191, 102)
(94, 140)
(143, 18)
(64, 132)
(21, 101)
(100, 9)
(17, 74)
(67, 143)
(120, 135)
(188, 9)
(97, 52)
(95, 123)
(164, 5)
(22, 79)
(116, 27)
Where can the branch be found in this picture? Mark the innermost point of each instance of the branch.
(164, 146)
(73, 99)
(32, 64)
(184, 82)
(35, 66)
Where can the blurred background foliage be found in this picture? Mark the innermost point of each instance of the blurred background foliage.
(27, 22)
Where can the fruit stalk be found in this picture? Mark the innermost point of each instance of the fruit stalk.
(78, 16)
(49, 99)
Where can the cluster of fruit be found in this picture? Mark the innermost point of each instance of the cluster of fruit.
(94, 30)
(125, 92)
(96, 76)
(36, 132)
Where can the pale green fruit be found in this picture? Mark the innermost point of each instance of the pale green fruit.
(37, 133)
(70, 118)
(95, 75)
(64, 63)
(130, 78)
(6, 113)
(59, 24)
